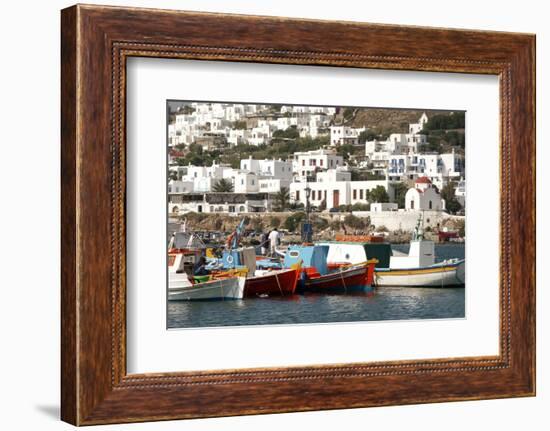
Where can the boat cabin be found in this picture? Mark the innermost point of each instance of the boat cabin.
(310, 256)
(346, 252)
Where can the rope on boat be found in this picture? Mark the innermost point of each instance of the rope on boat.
(279, 284)
(343, 281)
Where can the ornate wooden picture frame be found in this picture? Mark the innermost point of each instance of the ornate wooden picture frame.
(96, 41)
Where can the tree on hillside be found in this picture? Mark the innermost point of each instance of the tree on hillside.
(354, 222)
(223, 186)
(451, 203)
(400, 190)
(290, 133)
(173, 175)
(454, 120)
(293, 222)
(378, 194)
(239, 125)
(367, 135)
(281, 199)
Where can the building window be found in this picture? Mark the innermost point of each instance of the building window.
(320, 162)
(430, 205)
(297, 195)
(242, 209)
(412, 205)
(354, 194)
(313, 195)
(361, 194)
(325, 195)
(303, 162)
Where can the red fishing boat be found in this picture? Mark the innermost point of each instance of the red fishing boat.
(318, 277)
(355, 278)
(272, 283)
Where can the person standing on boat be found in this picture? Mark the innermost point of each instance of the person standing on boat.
(264, 243)
(274, 240)
(200, 266)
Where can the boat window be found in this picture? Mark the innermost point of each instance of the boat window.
(294, 253)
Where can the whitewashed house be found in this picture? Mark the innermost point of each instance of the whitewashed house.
(306, 163)
(460, 192)
(415, 128)
(336, 193)
(423, 196)
(340, 135)
(332, 175)
(178, 186)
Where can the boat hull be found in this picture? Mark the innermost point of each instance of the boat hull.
(222, 289)
(450, 275)
(356, 279)
(274, 283)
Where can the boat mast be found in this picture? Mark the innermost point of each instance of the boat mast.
(307, 231)
(418, 233)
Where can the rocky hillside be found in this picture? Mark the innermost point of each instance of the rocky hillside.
(383, 121)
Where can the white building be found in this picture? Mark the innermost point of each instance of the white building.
(383, 206)
(460, 192)
(423, 196)
(177, 186)
(259, 135)
(273, 185)
(439, 168)
(336, 193)
(306, 163)
(229, 203)
(399, 143)
(280, 169)
(238, 136)
(415, 128)
(245, 182)
(333, 175)
(340, 135)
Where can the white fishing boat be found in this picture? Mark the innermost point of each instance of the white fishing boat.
(417, 268)
(444, 274)
(203, 288)
(217, 289)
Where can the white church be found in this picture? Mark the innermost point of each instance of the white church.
(423, 196)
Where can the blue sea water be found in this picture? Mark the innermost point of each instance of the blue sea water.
(387, 303)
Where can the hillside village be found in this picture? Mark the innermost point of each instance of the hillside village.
(243, 159)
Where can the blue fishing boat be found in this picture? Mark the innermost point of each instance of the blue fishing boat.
(317, 277)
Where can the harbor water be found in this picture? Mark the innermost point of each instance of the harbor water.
(385, 303)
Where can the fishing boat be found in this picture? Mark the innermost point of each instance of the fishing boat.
(209, 290)
(259, 282)
(265, 283)
(417, 268)
(444, 274)
(184, 287)
(316, 276)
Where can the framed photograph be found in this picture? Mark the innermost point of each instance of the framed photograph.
(265, 215)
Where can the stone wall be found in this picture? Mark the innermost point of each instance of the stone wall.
(404, 220)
